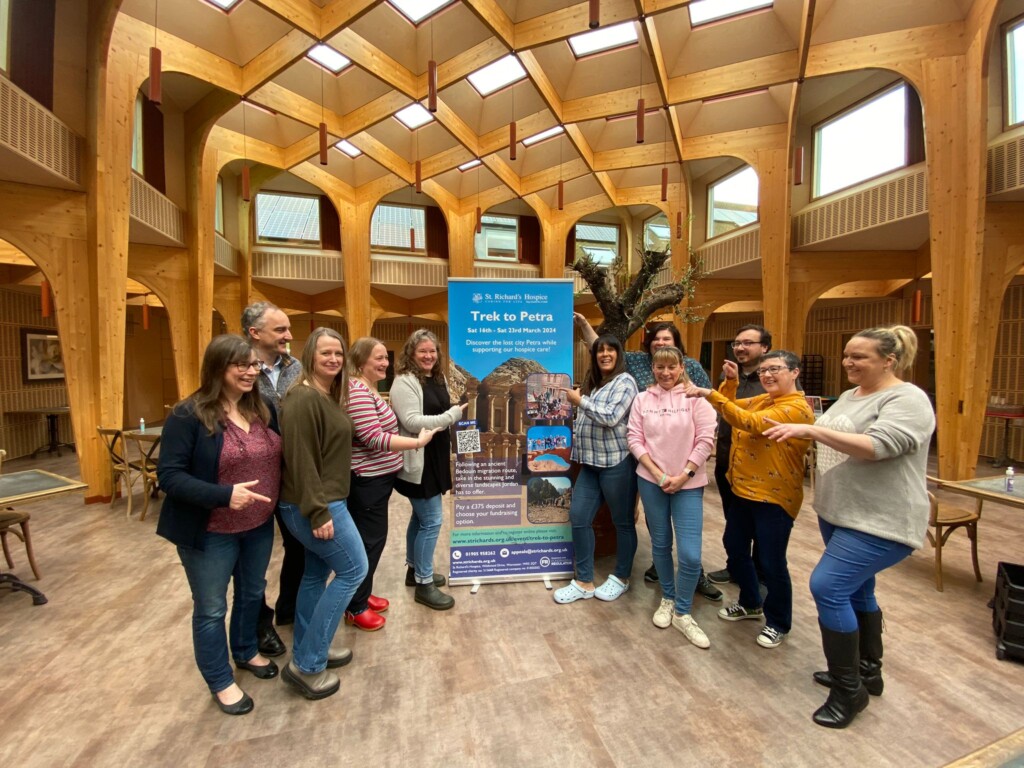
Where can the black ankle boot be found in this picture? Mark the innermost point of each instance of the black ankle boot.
(432, 597)
(871, 626)
(847, 696)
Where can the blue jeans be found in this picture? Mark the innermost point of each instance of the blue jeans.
(843, 581)
(617, 487)
(245, 555)
(421, 536)
(319, 605)
(768, 527)
(683, 511)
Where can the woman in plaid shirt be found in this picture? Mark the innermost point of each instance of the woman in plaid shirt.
(607, 471)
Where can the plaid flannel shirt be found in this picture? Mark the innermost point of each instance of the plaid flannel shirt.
(602, 420)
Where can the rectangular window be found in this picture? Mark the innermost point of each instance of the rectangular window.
(286, 219)
(706, 11)
(657, 233)
(5, 34)
(398, 228)
(137, 153)
(865, 141)
(600, 241)
(498, 238)
(1015, 72)
(732, 202)
(219, 212)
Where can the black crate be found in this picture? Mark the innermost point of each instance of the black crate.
(1008, 611)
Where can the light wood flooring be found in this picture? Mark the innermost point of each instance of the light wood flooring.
(104, 674)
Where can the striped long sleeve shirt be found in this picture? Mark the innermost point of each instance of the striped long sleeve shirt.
(374, 424)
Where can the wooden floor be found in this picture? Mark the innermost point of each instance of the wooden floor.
(104, 674)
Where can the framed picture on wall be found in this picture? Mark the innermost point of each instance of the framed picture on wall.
(41, 355)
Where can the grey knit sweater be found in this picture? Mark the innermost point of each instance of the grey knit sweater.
(886, 497)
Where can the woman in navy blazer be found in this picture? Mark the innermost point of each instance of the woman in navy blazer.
(220, 467)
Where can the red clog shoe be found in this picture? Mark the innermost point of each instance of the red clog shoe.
(368, 621)
(378, 604)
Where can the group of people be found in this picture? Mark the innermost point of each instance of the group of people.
(311, 442)
(646, 427)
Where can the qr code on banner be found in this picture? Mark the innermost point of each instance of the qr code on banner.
(467, 441)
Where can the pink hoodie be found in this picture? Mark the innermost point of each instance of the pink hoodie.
(673, 429)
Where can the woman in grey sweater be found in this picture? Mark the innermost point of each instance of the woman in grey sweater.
(872, 507)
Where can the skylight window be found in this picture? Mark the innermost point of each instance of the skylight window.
(418, 10)
(603, 39)
(348, 148)
(497, 75)
(704, 11)
(469, 165)
(328, 58)
(529, 141)
(224, 5)
(413, 116)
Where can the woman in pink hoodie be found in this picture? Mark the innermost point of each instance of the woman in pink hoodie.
(671, 437)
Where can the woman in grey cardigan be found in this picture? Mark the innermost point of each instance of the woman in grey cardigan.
(872, 508)
(420, 399)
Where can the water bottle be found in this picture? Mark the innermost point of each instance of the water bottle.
(1009, 479)
(142, 425)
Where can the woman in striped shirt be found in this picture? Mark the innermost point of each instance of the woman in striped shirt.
(376, 461)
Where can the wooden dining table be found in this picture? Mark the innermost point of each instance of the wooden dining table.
(986, 489)
(25, 487)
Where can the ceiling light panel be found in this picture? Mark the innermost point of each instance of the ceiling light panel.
(224, 5)
(413, 116)
(704, 11)
(603, 39)
(497, 75)
(542, 136)
(418, 10)
(328, 58)
(348, 148)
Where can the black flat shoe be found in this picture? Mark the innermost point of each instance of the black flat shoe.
(410, 578)
(241, 707)
(269, 642)
(266, 671)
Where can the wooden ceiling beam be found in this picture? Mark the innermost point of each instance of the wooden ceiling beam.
(635, 156)
(564, 23)
(748, 75)
(302, 14)
(493, 17)
(496, 140)
(549, 177)
(505, 174)
(319, 177)
(611, 103)
(275, 59)
(742, 144)
(661, 75)
(340, 13)
(469, 61)
(234, 146)
(542, 83)
(372, 59)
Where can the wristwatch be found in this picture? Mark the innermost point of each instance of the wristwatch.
(690, 472)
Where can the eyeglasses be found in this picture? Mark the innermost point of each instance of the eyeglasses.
(773, 370)
(243, 367)
(744, 344)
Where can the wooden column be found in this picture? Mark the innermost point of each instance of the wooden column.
(355, 245)
(461, 236)
(772, 166)
(553, 231)
(966, 277)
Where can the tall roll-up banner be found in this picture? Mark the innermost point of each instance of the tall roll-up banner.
(511, 347)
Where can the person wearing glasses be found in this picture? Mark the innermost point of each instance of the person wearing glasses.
(220, 468)
(767, 480)
(639, 366)
(751, 343)
(872, 506)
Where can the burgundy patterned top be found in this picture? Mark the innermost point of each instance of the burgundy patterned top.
(252, 455)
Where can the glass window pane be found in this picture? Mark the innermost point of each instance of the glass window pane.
(219, 213)
(703, 11)
(600, 241)
(498, 238)
(391, 226)
(732, 202)
(1015, 74)
(5, 30)
(657, 233)
(287, 218)
(137, 165)
(867, 141)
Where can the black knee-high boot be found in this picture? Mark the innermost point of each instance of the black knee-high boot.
(871, 625)
(847, 696)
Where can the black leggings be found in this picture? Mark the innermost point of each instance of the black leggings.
(368, 504)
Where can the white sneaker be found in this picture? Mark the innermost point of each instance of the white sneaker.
(688, 627)
(663, 616)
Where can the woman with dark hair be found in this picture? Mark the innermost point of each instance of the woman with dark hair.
(376, 462)
(317, 457)
(872, 506)
(220, 467)
(420, 399)
(607, 471)
(671, 437)
(767, 479)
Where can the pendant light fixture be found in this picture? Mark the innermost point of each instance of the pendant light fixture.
(479, 213)
(432, 75)
(512, 128)
(679, 206)
(561, 170)
(323, 123)
(145, 312)
(664, 160)
(798, 166)
(640, 98)
(915, 309)
(246, 189)
(45, 299)
(155, 57)
(595, 14)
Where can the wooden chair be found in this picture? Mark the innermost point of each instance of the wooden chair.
(944, 520)
(10, 518)
(147, 446)
(121, 467)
